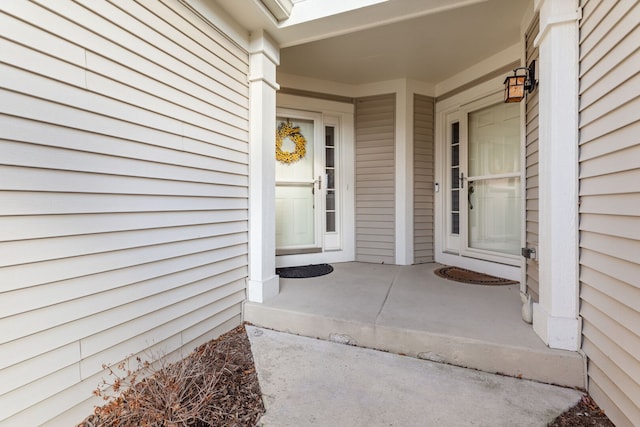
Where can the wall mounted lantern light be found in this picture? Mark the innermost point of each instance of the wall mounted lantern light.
(516, 85)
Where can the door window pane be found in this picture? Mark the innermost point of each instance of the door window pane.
(494, 215)
(494, 208)
(455, 223)
(329, 156)
(331, 200)
(331, 221)
(494, 140)
(330, 171)
(302, 169)
(455, 200)
(455, 133)
(455, 178)
(455, 155)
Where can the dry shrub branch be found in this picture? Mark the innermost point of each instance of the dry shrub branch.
(216, 385)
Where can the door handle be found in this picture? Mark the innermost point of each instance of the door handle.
(469, 193)
(462, 180)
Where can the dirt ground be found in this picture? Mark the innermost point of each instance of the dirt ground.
(217, 385)
(585, 413)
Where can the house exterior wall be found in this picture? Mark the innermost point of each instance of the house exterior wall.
(423, 172)
(375, 179)
(531, 166)
(609, 205)
(123, 194)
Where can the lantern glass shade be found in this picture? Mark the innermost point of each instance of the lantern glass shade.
(514, 87)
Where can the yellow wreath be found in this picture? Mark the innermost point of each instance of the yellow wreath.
(286, 129)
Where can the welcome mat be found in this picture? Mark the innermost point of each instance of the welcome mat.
(463, 275)
(305, 271)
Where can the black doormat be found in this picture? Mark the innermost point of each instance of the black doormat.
(304, 271)
(463, 275)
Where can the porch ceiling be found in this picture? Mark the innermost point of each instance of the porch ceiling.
(425, 40)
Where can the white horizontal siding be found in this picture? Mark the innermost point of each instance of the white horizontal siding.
(610, 204)
(123, 194)
(423, 169)
(375, 180)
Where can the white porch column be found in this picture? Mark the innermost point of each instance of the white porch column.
(264, 56)
(404, 175)
(555, 317)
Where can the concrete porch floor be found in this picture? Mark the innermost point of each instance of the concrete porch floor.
(409, 310)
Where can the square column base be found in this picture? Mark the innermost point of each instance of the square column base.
(562, 333)
(262, 290)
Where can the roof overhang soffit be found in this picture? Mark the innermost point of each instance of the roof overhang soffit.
(295, 22)
(280, 9)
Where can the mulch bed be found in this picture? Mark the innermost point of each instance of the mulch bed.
(216, 385)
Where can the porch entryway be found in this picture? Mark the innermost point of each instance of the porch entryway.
(314, 181)
(409, 310)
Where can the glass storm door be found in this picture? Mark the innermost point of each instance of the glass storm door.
(483, 201)
(298, 183)
(493, 203)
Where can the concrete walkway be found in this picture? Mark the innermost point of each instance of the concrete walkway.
(310, 382)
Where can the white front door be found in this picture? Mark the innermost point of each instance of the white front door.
(483, 202)
(299, 182)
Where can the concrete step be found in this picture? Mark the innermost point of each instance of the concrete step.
(564, 368)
